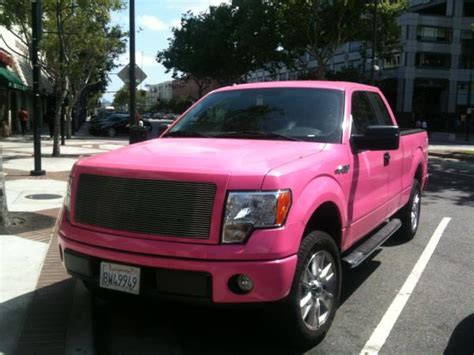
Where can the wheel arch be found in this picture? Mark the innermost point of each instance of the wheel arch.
(326, 218)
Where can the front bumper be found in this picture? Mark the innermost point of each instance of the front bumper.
(210, 279)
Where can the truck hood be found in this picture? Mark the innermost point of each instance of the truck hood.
(234, 157)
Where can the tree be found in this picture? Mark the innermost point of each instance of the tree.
(320, 27)
(122, 98)
(77, 47)
(223, 44)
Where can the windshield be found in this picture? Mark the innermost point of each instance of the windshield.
(276, 113)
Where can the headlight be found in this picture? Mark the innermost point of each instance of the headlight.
(246, 211)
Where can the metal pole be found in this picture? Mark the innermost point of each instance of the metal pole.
(469, 115)
(35, 38)
(374, 41)
(132, 83)
(62, 124)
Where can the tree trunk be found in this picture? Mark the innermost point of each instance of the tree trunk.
(321, 72)
(60, 96)
(69, 121)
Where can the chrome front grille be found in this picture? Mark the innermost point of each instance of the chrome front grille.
(156, 207)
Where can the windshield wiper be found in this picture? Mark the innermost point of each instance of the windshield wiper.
(186, 134)
(257, 134)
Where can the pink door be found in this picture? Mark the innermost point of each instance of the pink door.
(368, 197)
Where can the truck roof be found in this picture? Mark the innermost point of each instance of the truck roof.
(320, 84)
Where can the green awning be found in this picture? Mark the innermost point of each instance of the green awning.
(11, 80)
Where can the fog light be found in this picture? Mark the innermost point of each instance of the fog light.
(245, 283)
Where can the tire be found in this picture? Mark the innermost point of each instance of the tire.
(410, 213)
(307, 330)
(111, 132)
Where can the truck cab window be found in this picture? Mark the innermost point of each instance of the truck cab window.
(363, 114)
(383, 117)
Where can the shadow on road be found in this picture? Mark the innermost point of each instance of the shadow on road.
(352, 279)
(454, 177)
(153, 327)
(173, 328)
(37, 322)
(462, 339)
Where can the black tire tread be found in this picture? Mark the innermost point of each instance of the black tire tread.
(302, 337)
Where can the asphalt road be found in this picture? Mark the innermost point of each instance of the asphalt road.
(438, 316)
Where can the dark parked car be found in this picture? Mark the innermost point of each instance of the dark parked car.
(114, 125)
(163, 125)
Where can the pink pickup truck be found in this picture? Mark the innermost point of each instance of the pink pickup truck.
(258, 193)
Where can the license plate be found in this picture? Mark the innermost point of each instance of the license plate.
(120, 277)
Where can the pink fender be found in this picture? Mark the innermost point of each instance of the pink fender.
(412, 161)
(318, 191)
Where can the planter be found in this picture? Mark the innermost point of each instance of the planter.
(138, 134)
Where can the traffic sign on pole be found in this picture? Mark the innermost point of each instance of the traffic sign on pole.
(124, 74)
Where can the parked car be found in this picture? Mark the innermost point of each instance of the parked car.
(114, 125)
(163, 125)
(258, 194)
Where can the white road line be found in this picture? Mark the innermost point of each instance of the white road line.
(381, 333)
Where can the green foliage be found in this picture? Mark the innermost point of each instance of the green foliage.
(78, 46)
(173, 105)
(320, 27)
(387, 29)
(232, 40)
(122, 99)
(223, 44)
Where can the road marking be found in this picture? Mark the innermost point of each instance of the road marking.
(381, 333)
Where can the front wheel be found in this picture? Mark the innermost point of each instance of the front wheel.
(314, 296)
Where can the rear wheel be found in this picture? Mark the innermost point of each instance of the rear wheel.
(314, 296)
(410, 213)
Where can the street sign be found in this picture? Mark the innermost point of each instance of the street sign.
(124, 74)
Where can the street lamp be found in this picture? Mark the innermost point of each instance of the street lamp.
(35, 38)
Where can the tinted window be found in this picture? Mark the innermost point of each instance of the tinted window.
(299, 113)
(362, 113)
(383, 117)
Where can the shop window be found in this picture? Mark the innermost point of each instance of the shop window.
(462, 96)
(434, 34)
(466, 61)
(433, 60)
(393, 62)
(468, 9)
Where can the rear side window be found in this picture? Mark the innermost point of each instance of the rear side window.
(383, 117)
(368, 109)
(362, 113)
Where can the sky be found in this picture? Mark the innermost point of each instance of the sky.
(153, 22)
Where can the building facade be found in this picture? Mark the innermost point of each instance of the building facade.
(432, 75)
(16, 83)
(161, 91)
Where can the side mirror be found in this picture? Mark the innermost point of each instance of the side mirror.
(377, 138)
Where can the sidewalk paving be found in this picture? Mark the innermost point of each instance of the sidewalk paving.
(36, 294)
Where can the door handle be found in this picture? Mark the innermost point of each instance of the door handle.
(386, 159)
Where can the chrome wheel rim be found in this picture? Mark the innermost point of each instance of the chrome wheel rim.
(415, 210)
(317, 289)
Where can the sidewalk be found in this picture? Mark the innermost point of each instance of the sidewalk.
(36, 294)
